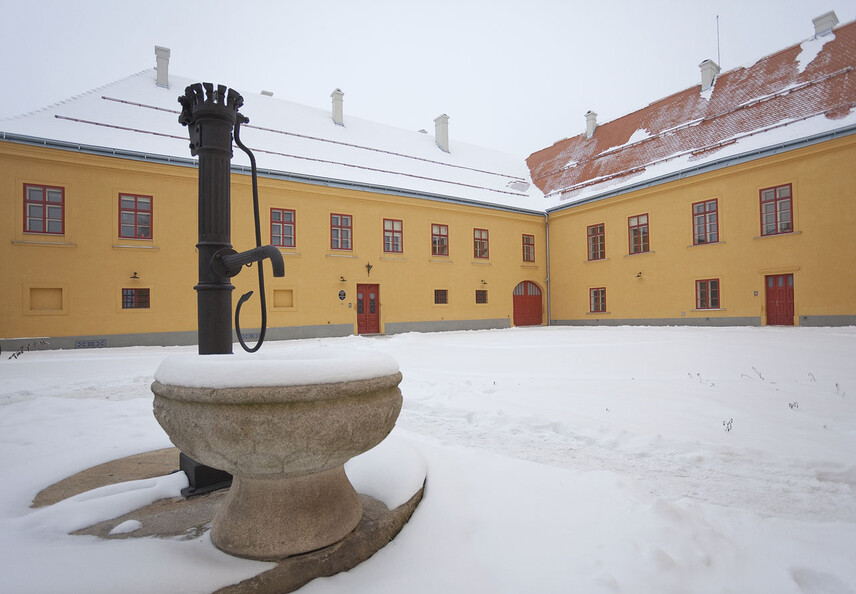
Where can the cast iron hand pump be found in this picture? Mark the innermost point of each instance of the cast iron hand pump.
(210, 115)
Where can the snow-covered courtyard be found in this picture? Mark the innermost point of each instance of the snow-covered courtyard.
(591, 460)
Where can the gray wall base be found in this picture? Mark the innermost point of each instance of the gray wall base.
(446, 325)
(660, 322)
(9, 346)
(828, 320)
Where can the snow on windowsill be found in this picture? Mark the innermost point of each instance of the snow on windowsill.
(53, 243)
(785, 234)
(706, 243)
(135, 247)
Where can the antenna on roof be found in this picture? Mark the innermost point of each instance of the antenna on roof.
(718, 59)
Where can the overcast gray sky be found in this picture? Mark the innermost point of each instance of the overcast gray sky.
(513, 75)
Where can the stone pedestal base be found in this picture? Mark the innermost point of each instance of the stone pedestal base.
(269, 519)
(284, 434)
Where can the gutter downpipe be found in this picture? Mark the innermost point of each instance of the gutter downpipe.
(547, 280)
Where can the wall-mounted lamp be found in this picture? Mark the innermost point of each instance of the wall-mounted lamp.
(342, 279)
(638, 275)
(369, 269)
(484, 282)
(135, 276)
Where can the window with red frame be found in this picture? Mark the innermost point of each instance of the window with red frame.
(528, 248)
(44, 209)
(441, 296)
(638, 233)
(341, 232)
(135, 216)
(596, 242)
(439, 240)
(282, 227)
(481, 244)
(597, 300)
(136, 299)
(481, 296)
(393, 236)
(705, 222)
(776, 210)
(707, 294)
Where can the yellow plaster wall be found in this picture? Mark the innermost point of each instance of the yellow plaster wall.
(89, 262)
(817, 253)
(89, 265)
(406, 280)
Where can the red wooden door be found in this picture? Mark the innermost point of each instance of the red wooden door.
(368, 309)
(527, 304)
(780, 300)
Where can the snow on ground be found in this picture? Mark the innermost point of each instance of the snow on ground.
(592, 460)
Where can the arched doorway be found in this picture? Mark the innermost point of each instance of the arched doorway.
(527, 304)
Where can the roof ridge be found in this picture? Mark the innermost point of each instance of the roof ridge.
(75, 97)
(721, 75)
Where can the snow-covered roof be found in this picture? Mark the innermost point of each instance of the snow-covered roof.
(136, 118)
(804, 92)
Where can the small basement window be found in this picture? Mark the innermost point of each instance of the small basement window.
(136, 299)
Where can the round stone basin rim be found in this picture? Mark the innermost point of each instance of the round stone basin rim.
(287, 367)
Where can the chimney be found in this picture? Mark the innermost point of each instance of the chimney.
(441, 131)
(824, 23)
(591, 123)
(338, 106)
(162, 55)
(709, 71)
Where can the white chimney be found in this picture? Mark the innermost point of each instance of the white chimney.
(338, 106)
(441, 131)
(591, 123)
(824, 23)
(162, 55)
(709, 71)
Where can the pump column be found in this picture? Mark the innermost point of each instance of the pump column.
(210, 116)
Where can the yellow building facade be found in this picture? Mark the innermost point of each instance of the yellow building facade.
(67, 288)
(659, 285)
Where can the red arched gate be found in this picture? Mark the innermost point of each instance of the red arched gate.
(527, 304)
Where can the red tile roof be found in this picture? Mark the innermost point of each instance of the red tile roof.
(778, 91)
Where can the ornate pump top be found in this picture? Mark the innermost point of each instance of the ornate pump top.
(202, 101)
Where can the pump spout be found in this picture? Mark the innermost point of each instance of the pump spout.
(228, 263)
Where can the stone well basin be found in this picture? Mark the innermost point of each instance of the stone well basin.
(283, 424)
